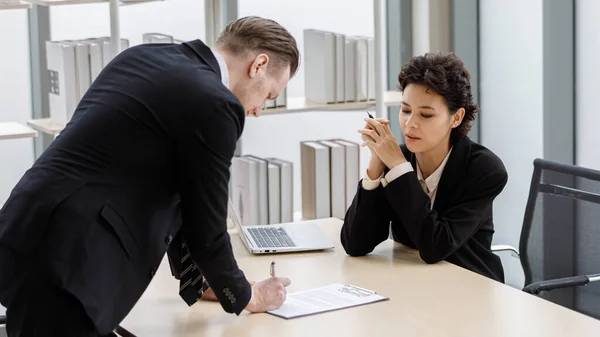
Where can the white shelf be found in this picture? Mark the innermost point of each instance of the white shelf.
(14, 130)
(64, 2)
(295, 105)
(80, 2)
(299, 104)
(14, 5)
(46, 125)
(135, 2)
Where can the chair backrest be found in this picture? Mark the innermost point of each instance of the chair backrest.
(561, 232)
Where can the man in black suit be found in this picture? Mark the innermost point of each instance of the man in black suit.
(144, 159)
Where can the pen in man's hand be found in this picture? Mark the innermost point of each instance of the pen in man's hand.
(273, 269)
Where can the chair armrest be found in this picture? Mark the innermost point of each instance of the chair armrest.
(503, 248)
(565, 282)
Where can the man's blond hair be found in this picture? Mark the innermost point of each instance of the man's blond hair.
(253, 33)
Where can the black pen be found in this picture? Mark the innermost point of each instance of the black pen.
(370, 115)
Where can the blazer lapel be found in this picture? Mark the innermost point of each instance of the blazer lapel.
(453, 173)
(204, 52)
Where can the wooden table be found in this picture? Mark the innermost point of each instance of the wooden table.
(425, 300)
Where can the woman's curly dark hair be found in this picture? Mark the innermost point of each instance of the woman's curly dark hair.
(446, 74)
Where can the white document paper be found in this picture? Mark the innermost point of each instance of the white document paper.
(332, 297)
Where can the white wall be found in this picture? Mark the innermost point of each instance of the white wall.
(15, 97)
(587, 70)
(280, 136)
(511, 102)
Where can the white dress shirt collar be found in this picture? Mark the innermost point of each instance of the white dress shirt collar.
(222, 68)
(431, 182)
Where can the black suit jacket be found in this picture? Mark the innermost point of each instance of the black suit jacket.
(458, 229)
(145, 157)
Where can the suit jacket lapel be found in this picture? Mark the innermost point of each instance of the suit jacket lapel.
(453, 173)
(204, 52)
(409, 156)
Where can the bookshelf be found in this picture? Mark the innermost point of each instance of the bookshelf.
(220, 16)
(14, 5)
(14, 130)
(382, 99)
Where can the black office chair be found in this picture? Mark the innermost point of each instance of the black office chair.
(559, 247)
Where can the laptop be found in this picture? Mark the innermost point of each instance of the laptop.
(280, 238)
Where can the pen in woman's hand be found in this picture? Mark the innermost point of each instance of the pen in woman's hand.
(380, 120)
(272, 269)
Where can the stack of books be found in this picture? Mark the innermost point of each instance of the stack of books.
(338, 68)
(330, 171)
(73, 65)
(262, 190)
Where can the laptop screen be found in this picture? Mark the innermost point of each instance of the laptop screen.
(232, 215)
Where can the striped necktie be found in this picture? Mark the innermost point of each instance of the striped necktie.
(191, 281)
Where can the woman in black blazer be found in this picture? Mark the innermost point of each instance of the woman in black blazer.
(437, 189)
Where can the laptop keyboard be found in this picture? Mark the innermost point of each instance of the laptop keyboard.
(271, 237)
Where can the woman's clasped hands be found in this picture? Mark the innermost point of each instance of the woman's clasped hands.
(378, 137)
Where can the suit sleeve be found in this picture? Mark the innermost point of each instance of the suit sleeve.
(204, 152)
(367, 221)
(436, 235)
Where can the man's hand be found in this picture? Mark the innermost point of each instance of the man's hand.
(209, 295)
(268, 294)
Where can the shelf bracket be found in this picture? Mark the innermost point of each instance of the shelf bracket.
(115, 28)
(380, 57)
